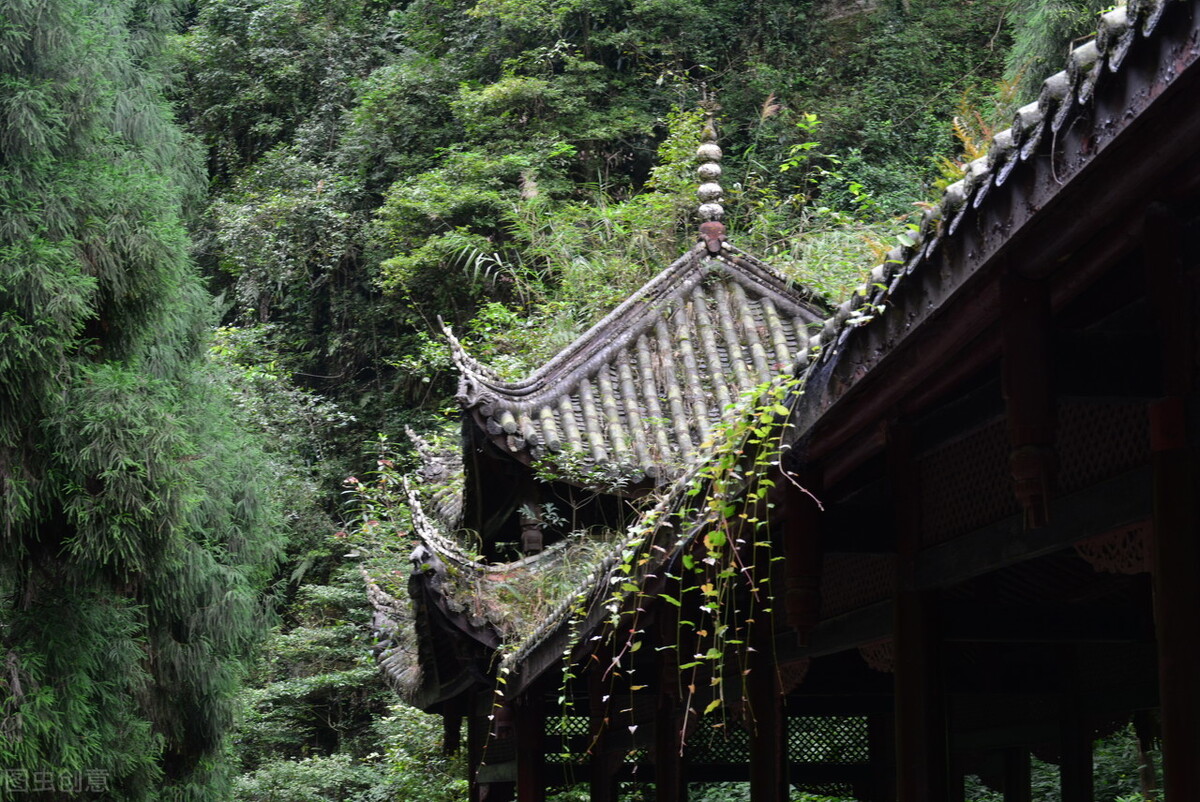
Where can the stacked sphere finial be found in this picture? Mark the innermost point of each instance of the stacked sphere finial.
(710, 192)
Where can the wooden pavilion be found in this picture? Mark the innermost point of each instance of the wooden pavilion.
(983, 537)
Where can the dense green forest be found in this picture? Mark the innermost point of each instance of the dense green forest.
(230, 230)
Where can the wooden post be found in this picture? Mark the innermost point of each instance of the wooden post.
(605, 761)
(531, 746)
(1018, 784)
(1177, 598)
(1143, 725)
(1174, 431)
(1075, 770)
(451, 732)
(802, 551)
(922, 764)
(768, 725)
(669, 781)
(477, 733)
(958, 784)
(1028, 393)
(881, 733)
(922, 769)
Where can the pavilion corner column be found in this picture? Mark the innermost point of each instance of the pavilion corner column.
(1174, 432)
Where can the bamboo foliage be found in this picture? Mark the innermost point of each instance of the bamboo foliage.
(133, 540)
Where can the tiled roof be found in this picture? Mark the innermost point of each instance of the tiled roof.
(1066, 97)
(643, 388)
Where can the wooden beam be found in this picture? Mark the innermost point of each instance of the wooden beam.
(922, 768)
(670, 782)
(849, 630)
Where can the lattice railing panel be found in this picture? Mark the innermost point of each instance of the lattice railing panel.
(1099, 441)
(716, 741)
(828, 739)
(568, 738)
(966, 484)
(851, 581)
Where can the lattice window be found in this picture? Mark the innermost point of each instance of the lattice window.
(828, 739)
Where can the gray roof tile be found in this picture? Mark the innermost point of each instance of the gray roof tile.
(643, 388)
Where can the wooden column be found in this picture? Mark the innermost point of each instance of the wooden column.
(768, 724)
(958, 784)
(1174, 431)
(451, 732)
(477, 733)
(1075, 769)
(670, 784)
(1075, 731)
(922, 764)
(503, 728)
(531, 745)
(1018, 784)
(1028, 393)
(802, 550)
(1145, 727)
(922, 767)
(605, 761)
(881, 733)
